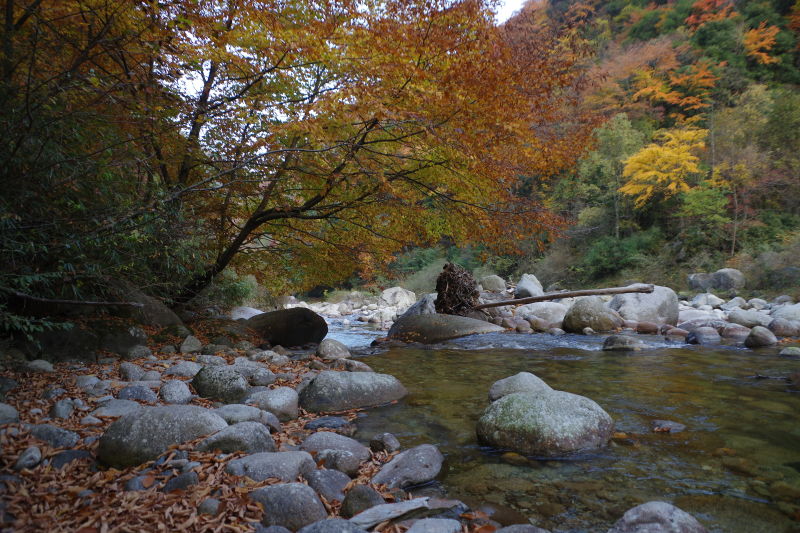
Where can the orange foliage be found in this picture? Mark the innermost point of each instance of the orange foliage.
(759, 41)
(689, 90)
(704, 11)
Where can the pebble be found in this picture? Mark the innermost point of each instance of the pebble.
(667, 426)
(209, 506)
(31, 457)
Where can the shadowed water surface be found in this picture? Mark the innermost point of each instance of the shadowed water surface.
(730, 468)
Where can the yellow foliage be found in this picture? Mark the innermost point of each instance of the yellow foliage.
(662, 168)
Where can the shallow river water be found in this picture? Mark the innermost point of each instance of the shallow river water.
(736, 467)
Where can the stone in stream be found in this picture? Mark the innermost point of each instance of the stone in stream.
(388, 511)
(547, 423)
(790, 351)
(289, 327)
(384, 442)
(784, 328)
(528, 286)
(332, 349)
(248, 437)
(659, 306)
(435, 525)
(412, 467)
(703, 335)
(327, 440)
(760, 337)
(787, 312)
(657, 517)
(749, 318)
(623, 343)
(145, 434)
(493, 283)
(339, 391)
(292, 505)
(667, 426)
(591, 312)
(430, 329)
(548, 312)
(521, 528)
(220, 383)
(521, 382)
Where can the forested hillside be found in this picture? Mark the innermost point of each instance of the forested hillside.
(696, 165)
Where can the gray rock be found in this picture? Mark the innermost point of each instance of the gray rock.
(181, 482)
(137, 392)
(332, 525)
(707, 298)
(8, 414)
(791, 351)
(332, 349)
(547, 423)
(760, 337)
(289, 327)
(130, 371)
(136, 483)
(209, 506)
(55, 436)
(623, 343)
(657, 517)
(191, 344)
(62, 459)
(184, 369)
(89, 420)
(62, 409)
(220, 383)
(521, 382)
(235, 413)
(359, 499)
(703, 335)
(292, 505)
(787, 312)
(336, 423)
(340, 460)
(138, 351)
(144, 435)
(117, 407)
(280, 401)
(248, 437)
(206, 359)
(435, 525)
(493, 283)
(327, 440)
(384, 442)
(749, 318)
(735, 331)
(411, 467)
(784, 328)
(430, 329)
(175, 391)
(39, 366)
(350, 365)
(388, 511)
(31, 457)
(549, 312)
(424, 306)
(528, 286)
(591, 312)
(727, 278)
(329, 484)
(339, 391)
(700, 281)
(521, 528)
(659, 306)
(151, 376)
(286, 466)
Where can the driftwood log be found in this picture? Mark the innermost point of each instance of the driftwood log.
(637, 287)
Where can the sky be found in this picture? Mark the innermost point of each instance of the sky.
(507, 8)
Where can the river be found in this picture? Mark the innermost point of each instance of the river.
(736, 467)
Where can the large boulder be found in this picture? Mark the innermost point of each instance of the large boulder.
(547, 423)
(339, 391)
(397, 297)
(760, 337)
(749, 318)
(147, 433)
(521, 382)
(550, 312)
(411, 467)
(289, 327)
(657, 517)
(659, 306)
(222, 383)
(700, 281)
(528, 286)
(727, 278)
(430, 329)
(591, 312)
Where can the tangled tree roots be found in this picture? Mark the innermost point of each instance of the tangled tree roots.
(457, 291)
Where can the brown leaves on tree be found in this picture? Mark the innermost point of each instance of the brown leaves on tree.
(457, 291)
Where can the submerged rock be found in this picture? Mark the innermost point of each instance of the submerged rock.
(657, 517)
(545, 423)
(411, 467)
(623, 343)
(430, 329)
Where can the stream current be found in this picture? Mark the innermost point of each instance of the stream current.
(736, 467)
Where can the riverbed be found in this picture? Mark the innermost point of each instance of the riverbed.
(735, 467)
